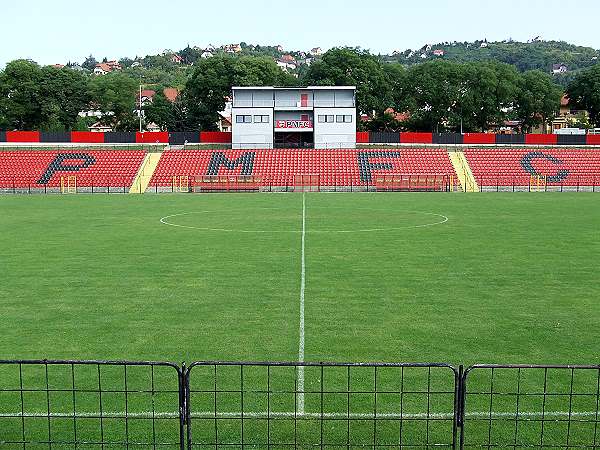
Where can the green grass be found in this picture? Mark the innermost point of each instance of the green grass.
(509, 278)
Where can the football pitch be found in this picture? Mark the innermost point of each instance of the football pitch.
(398, 277)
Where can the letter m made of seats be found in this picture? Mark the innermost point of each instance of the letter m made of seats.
(218, 160)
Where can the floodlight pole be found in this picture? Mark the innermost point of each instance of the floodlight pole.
(140, 110)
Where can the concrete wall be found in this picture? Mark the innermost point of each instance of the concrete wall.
(336, 134)
(252, 135)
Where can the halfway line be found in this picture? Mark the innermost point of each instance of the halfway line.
(302, 286)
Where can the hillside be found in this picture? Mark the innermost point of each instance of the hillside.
(537, 54)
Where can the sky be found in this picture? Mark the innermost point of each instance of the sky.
(58, 31)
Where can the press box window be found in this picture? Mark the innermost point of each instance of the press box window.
(343, 119)
(326, 119)
(243, 119)
(261, 119)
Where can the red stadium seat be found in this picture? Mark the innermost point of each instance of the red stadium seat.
(41, 168)
(516, 166)
(280, 167)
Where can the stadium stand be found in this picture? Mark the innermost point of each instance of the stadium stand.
(550, 166)
(42, 169)
(283, 167)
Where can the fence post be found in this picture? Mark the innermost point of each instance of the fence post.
(184, 423)
(458, 418)
(461, 400)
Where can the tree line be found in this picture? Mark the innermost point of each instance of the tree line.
(436, 95)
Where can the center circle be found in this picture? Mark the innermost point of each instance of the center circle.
(318, 220)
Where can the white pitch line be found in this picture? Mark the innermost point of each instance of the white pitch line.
(304, 415)
(302, 288)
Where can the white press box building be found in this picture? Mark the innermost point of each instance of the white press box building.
(311, 117)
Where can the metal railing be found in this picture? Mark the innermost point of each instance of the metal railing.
(124, 404)
(82, 184)
(580, 182)
(71, 404)
(530, 406)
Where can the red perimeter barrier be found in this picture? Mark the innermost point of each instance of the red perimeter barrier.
(541, 139)
(215, 137)
(161, 137)
(362, 137)
(22, 136)
(87, 137)
(593, 139)
(479, 138)
(416, 138)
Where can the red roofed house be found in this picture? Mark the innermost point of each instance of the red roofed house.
(107, 67)
(171, 94)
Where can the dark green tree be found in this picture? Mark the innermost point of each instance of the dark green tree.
(435, 88)
(584, 92)
(354, 67)
(21, 96)
(205, 92)
(487, 92)
(211, 82)
(89, 63)
(169, 116)
(115, 95)
(64, 94)
(538, 99)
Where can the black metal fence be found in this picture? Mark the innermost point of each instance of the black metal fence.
(528, 406)
(91, 404)
(119, 404)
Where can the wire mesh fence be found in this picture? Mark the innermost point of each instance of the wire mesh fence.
(90, 404)
(287, 405)
(527, 406)
(234, 405)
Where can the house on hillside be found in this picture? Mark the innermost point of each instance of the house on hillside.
(224, 123)
(439, 53)
(176, 59)
(206, 54)
(558, 69)
(286, 65)
(100, 128)
(232, 48)
(107, 67)
(398, 116)
(316, 51)
(567, 116)
(147, 97)
(171, 94)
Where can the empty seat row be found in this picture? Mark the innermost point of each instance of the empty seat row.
(282, 166)
(516, 166)
(90, 167)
